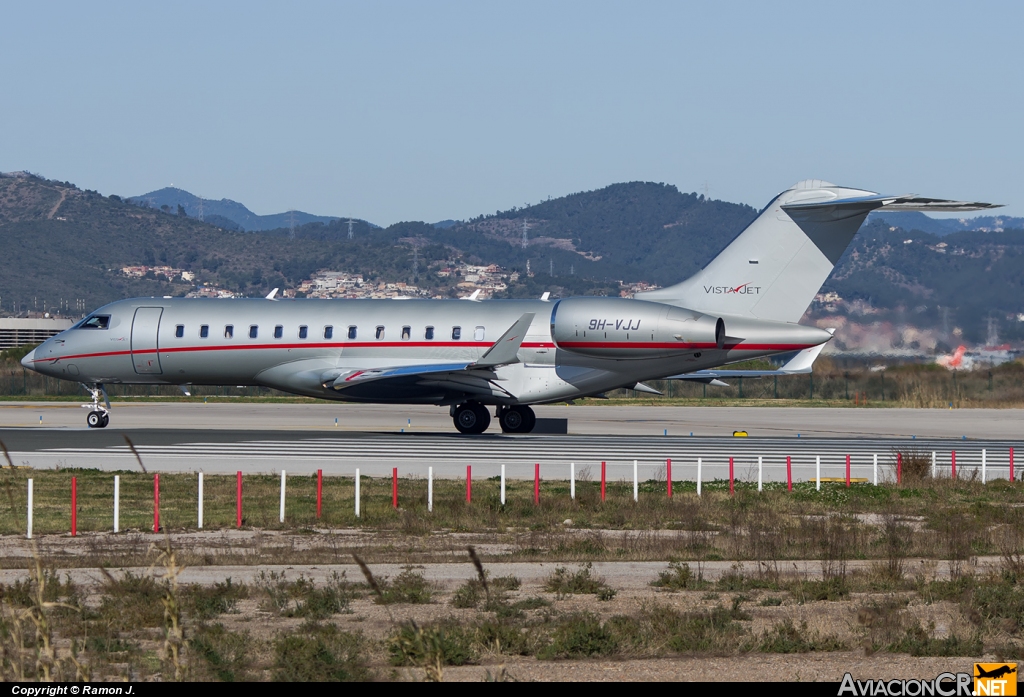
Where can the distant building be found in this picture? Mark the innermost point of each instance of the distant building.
(15, 331)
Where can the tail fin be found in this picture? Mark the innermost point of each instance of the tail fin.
(774, 268)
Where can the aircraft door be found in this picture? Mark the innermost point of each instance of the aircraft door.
(145, 350)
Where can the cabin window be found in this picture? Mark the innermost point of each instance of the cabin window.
(328, 332)
(456, 333)
(254, 331)
(380, 332)
(303, 331)
(278, 331)
(229, 331)
(96, 322)
(428, 334)
(478, 334)
(179, 331)
(352, 332)
(204, 331)
(406, 333)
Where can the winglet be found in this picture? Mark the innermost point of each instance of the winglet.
(272, 294)
(505, 349)
(472, 297)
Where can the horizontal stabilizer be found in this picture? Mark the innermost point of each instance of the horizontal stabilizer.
(505, 350)
(905, 202)
(799, 364)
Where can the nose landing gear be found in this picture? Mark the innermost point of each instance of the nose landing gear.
(517, 419)
(99, 414)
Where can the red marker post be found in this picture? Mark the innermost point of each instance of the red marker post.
(668, 475)
(469, 483)
(74, 506)
(238, 499)
(602, 480)
(848, 469)
(789, 473)
(731, 477)
(156, 503)
(952, 461)
(394, 487)
(319, 491)
(1011, 464)
(899, 469)
(536, 483)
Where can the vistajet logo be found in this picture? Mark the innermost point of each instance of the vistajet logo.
(745, 289)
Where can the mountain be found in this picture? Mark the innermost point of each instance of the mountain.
(913, 220)
(217, 212)
(59, 241)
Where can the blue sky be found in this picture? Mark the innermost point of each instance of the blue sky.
(428, 110)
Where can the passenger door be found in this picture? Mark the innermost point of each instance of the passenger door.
(145, 349)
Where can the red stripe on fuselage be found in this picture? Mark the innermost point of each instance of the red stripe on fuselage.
(434, 344)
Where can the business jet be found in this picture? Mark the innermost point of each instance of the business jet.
(504, 354)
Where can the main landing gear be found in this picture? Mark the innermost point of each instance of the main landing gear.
(472, 417)
(517, 419)
(99, 414)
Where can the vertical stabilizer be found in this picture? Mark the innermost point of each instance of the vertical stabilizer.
(774, 268)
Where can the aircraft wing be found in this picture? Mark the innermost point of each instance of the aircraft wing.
(502, 352)
(799, 364)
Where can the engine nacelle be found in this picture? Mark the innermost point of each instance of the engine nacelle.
(623, 329)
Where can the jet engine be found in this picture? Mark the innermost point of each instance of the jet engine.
(623, 329)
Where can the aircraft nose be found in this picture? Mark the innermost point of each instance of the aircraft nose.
(28, 360)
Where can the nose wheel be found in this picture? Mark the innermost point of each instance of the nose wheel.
(99, 414)
(517, 419)
(97, 419)
(471, 418)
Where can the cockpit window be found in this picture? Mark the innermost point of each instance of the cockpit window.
(96, 322)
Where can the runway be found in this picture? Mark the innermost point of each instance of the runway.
(301, 438)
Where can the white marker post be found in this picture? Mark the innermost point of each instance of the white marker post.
(29, 529)
(430, 489)
(984, 463)
(876, 469)
(760, 468)
(503, 485)
(817, 469)
(282, 495)
(200, 500)
(357, 492)
(117, 503)
(934, 470)
(698, 476)
(636, 486)
(572, 481)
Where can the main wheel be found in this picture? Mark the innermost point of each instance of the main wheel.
(95, 419)
(517, 419)
(106, 420)
(471, 418)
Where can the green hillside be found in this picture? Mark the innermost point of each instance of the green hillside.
(62, 242)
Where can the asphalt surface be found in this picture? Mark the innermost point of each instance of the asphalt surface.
(302, 438)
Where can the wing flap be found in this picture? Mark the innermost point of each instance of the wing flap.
(358, 377)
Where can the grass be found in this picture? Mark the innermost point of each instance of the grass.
(938, 519)
(563, 582)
